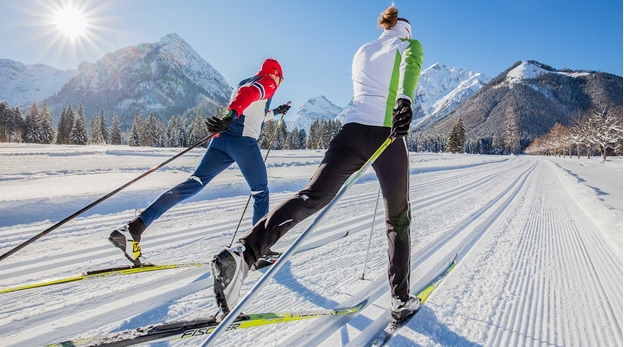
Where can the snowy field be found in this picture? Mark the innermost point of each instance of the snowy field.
(539, 243)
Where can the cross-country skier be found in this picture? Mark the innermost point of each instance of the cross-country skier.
(385, 73)
(237, 143)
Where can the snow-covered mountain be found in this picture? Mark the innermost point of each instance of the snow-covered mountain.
(532, 94)
(441, 89)
(317, 107)
(166, 77)
(22, 84)
(531, 70)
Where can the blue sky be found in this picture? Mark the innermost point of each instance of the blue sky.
(315, 40)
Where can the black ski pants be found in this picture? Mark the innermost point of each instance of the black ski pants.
(348, 151)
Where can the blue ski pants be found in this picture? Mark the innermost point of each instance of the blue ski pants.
(222, 152)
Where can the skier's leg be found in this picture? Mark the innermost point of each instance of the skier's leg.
(214, 162)
(341, 160)
(247, 156)
(392, 169)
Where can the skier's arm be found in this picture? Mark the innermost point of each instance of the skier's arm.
(264, 88)
(410, 69)
(281, 109)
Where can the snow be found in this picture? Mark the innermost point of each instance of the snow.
(537, 266)
(527, 70)
(317, 107)
(24, 84)
(440, 89)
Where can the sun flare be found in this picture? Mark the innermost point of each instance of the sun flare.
(71, 22)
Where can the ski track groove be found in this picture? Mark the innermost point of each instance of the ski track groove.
(559, 252)
(421, 257)
(210, 232)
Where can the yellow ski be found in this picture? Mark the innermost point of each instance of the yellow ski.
(105, 273)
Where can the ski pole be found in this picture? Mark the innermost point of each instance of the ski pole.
(45, 232)
(370, 238)
(265, 159)
(229, 319)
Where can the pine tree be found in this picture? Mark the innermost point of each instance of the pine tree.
(282, 136)
(293, 139)
(512, 132)
(315, 133)
(199, 128)
(79, 134)
(152, 130)
(302, 139)
(115, 133)
(457, 138)
(32, 125)
(104, 127)
(267, 134)
(135, 132)
(48, 132)
(65, 126)
(172, 132)
(96, 131)
(4, 120)
(16, 125)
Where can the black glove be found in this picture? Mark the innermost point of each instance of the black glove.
(401, 117)
(218, 125)
(282, 109)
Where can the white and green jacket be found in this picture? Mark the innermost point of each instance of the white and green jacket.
(383, 71)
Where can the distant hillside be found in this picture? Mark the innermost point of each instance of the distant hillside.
(167, 77)
(22, 84)
(317, 107)
(535, 95)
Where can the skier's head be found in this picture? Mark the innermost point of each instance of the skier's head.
(390, 20)
(272, 67)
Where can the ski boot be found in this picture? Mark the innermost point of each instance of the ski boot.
(404, 309)
(229, 270)
(268, 259)
(127, 239)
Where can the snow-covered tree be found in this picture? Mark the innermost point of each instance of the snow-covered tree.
(65, 126)
(457, 138)
(607, 129)
(104, 127)
(135, 132)
(5, 115)
(151, 128)
(48, 132)
(79, 134)
(32, 125)
(115, 133)
(173, 134)
(199, 128)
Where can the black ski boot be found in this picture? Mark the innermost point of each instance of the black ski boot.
(127, 239)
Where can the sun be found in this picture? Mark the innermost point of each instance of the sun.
(70, 22)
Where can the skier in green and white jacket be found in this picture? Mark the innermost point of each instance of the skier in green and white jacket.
(385, 73)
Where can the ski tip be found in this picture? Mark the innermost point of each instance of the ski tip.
(347, 233)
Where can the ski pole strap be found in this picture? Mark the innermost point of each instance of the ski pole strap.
(88, 207)
(225, 323)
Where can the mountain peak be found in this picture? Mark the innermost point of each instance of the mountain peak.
(172, 38)
(316, 107)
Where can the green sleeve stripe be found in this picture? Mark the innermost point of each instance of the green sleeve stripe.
(413, 55)
(392, 90)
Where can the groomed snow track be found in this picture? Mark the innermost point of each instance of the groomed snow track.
(533, 270)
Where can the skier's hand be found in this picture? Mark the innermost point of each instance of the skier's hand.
(218, 125)
(281, 109)
(401, 117)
